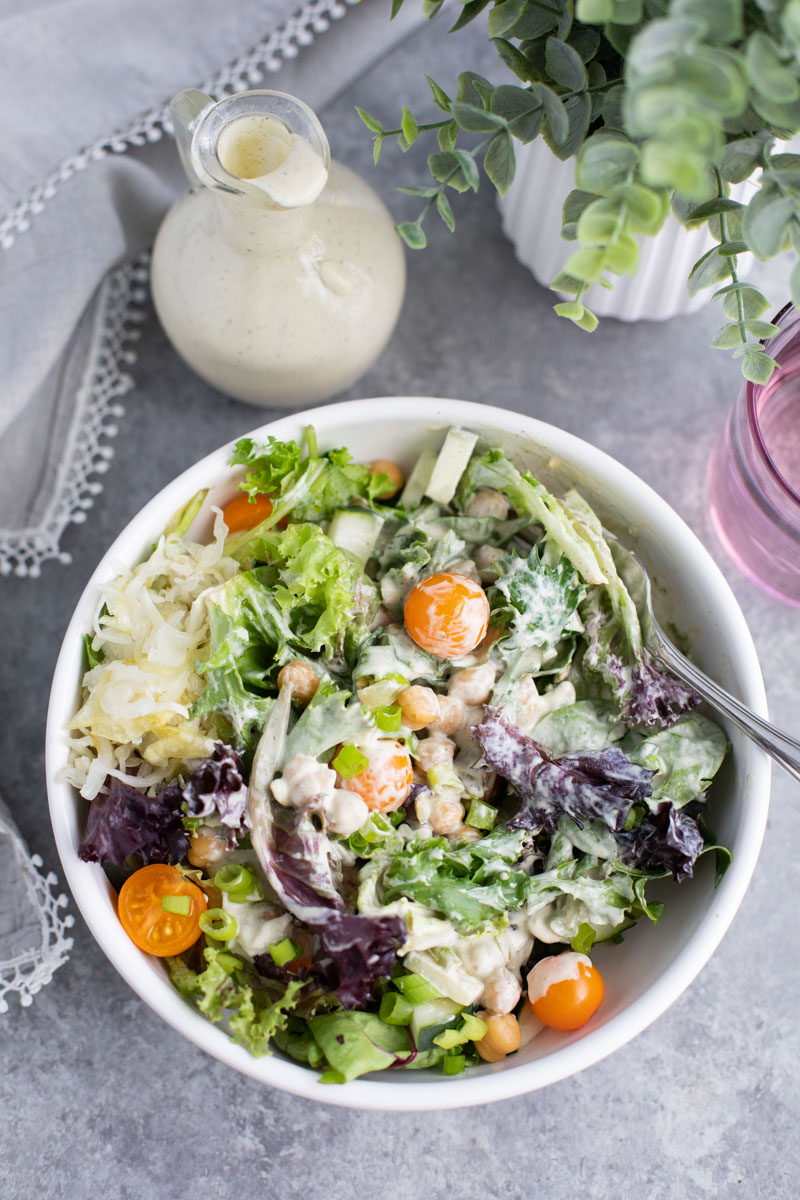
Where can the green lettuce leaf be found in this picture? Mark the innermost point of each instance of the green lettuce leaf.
(535, 603)
(227, 988)
(530, 498)
(307, 489)
(469, 883)
(356, 1042)
(686, 758)
(584, 725)
(331, 716)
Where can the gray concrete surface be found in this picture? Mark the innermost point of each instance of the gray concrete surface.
(100, 1099)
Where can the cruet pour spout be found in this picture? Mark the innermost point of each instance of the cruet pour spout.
(262, 144)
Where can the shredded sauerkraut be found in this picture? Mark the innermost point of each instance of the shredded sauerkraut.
(134, 723)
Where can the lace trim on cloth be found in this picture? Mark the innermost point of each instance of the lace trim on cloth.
(36, 912)
(86, 453)
(249, 69)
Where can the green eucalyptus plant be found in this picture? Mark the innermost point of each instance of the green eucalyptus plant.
(662, 103)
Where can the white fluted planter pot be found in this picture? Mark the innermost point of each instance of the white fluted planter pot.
(531, 215)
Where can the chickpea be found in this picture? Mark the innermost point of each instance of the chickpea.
(446, 813)
(207, 847)
(382, 466)
(502, 991)
(431, 751)
(502, 1036)
(301, 678)
(450, 717)
(473, 685)
(419, 705)
(465, 566)
(487, 503)
(485, 559)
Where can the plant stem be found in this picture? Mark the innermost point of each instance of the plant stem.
(723, 229)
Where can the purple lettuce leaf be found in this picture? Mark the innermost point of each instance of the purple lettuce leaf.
(354, 950)
(125, 822)
(656, 697)
(218, 787)
(646, 694)
(665, 839)
(596, 785)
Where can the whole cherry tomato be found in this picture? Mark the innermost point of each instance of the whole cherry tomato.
(386, 782)
(565, 990)
(447, 614)
(151, 910)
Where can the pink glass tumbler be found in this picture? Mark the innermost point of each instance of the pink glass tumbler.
(754, 474)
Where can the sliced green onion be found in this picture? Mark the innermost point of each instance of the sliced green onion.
(350, 762)
(284, 951)
(634, 816)
(182, 905)
(397, 817)
(396, 677)
(453, 1064)
(416, 989)
(395, 1009)
(472, 1030)
(332, 1076)
(237, 881)
(218, 924)
(481, 816)
(389, 718)
(443, 776)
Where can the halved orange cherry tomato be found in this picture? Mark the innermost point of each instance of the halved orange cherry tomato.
(243, 513)
(447, 614)
(565, 990)
(386, 782)
(147, 923)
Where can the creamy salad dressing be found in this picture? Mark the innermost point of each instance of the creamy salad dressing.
(284, 292)
(280, 163)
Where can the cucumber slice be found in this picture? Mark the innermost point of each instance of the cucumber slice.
(418, 480)
(453, 458)
(431, 1018)
(355, 530)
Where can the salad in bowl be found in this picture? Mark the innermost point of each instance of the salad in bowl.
(377, 761)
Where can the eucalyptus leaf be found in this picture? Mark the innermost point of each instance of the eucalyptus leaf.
(412, 234)
(742, 157)
(469, 12)
(554, 109)
(520, 109)
(370, 122)
(605, 161)
(769, 75)
(753, 302)
(474, 89)
(474, 119)
(513, 57)
(727, 337)
(579, 114)
(499, 162)
(757, 366)
(440, 96)
(565, 65)
(766, 220)
(445, 211)
(794, 285)
(707, 271)
(761, 329)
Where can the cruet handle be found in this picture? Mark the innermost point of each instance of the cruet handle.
(185, 110)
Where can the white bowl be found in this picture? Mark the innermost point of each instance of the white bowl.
(643, 976)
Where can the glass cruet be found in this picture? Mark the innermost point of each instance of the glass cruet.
(278, 276)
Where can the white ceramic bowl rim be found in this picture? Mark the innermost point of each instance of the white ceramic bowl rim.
(406, 1091)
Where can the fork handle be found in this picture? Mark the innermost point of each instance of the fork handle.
(779, 745)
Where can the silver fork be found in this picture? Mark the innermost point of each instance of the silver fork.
(779, 745)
